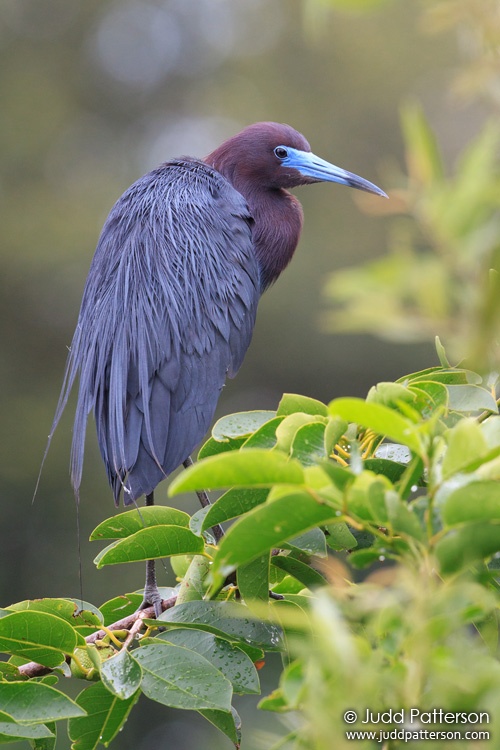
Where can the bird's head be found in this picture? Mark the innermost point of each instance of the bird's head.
(274, 155)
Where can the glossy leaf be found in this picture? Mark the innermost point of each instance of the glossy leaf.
(234, 503)
(390, 469)
(125, 524)
(287, 430)
(229, 723)
(228, 620)
(239, 425)
(119, 607)
(84, 619)
(335, 428)
(378, 418)
(248, 468)
(299, 570)
(180, 678)
(106, 715)
(38, 636)
(194, 582)
(213, 447)
(470, 398)
(429, 396)
(121, 675)
(466, 445)
(308, 445)
(46, 743)
(234, 664)
(268, 526)
(29, 702)
(10, 732)
(293, 402)
(311, 542)
(253, 579)
(339, 537)
(149, 544)
(265, 436)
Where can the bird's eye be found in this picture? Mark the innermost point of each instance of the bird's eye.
(280, 152)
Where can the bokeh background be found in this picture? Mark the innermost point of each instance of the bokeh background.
(95, 93)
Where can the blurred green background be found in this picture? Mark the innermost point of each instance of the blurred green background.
(93, 95)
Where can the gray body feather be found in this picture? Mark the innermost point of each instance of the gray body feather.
(167, 313)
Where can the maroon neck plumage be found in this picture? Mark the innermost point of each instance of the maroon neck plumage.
(248, 162)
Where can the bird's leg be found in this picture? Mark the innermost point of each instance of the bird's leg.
(217, 530)
(151, 594)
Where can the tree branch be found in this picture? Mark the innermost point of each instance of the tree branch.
(33, 669)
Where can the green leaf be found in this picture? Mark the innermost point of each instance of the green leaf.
(308, 445)
(440, 350)
(429, 397)
(366, 498)
(149, 544)
(476, 501)
(234, 664)
(471, 398)
(364, 557)
(120, 607)
(412, 476)
(311, 542)
(378, 418)
(213, 447)
(194, 582)
(268, 526)
(335, 428)
(106, 714)
(403, 520)
(10, 672)
(84, 619)
(248, 468)
(29, 702)
(292, 402)
(253, 579)
(451, 376)
(180, 678)
(265, 436)
(390, 469)
(38, 636)
(467, 544)
(299, 570)
(287, 430)
(239, 425)
(390, 394)
(9, 731)
(121, 674)
(228, 620)
(340, 537)
(234, 503)
(466, 444)
(46, 743)
(125, 524)
(228, 723)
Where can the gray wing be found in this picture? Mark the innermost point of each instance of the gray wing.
(168, 312)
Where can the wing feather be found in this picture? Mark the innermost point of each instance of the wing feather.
(167, 313)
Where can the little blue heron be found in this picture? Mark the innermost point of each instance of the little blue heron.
(170, 300)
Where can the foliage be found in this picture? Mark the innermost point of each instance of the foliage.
(403, 485)
(441, 273)
(442, 270)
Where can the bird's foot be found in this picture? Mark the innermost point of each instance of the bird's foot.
(152, 598)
